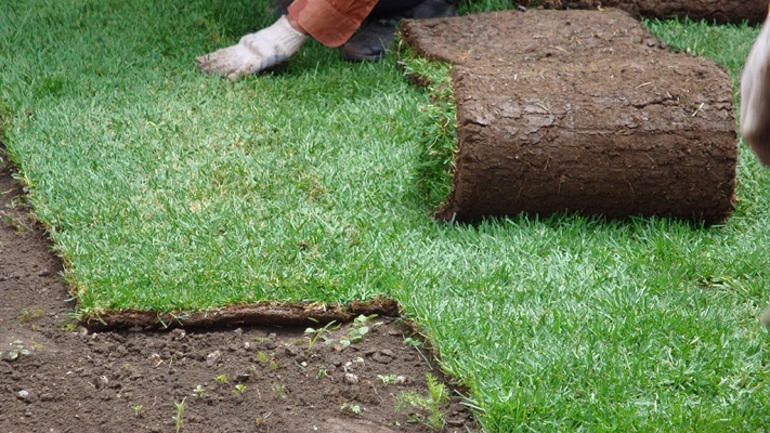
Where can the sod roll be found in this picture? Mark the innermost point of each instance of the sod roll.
(581, 112)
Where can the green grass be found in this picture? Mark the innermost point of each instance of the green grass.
(167, 189)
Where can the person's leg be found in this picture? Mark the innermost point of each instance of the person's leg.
(377, 34)
(755, 97)
(331, 22)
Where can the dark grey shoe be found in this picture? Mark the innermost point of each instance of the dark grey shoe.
(371, 42)
(432, 9)
(377, 36)
(281, 7)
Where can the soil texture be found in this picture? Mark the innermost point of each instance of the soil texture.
(57, 376)
(581, 112)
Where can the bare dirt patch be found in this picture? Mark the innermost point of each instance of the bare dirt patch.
(249, 379)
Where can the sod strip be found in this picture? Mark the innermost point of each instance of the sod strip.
(724, 11)
(265, 313)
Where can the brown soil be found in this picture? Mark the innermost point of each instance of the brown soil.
(80, 380)
(581, 112)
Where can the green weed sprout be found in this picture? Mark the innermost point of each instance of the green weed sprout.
(179, 418)
(17, 349)
(429, 405)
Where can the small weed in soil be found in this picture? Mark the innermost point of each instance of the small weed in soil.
(17, 349)
(428, 406)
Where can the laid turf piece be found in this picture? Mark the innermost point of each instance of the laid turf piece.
(723, 11)
(581, 112)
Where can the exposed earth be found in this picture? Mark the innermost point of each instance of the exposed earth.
(66, 378)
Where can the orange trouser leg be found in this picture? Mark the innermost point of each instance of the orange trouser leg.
(330, 22)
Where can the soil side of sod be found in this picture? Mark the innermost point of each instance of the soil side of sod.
(247, 379)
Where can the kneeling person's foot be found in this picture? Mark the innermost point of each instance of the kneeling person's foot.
(376, 37)
(371, 42)
(432, 9)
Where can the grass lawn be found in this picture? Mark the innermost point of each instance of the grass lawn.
(164, 188)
